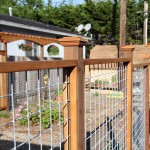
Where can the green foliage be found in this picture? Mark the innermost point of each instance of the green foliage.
(103, 15)
(96, 94)
(53, 50)
(4, 114)
(25, 47)
(59, 92)
(88, 49)
(114, 78)
(101, 82)
(48, 116)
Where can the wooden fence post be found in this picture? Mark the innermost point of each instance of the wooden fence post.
(147, 108)
(3, 81)
(73, 49)
(128, 53)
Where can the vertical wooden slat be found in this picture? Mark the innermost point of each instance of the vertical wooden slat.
(147, 108)
(66, 108)
(80, 100)
(129, 106)
(77, 105)
(3, 82)
(73, 109)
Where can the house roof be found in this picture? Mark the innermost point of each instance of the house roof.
(36, 26)
(10, 37)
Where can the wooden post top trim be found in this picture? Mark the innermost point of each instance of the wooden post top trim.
(73, 41)
(6, 37)
(128, 48)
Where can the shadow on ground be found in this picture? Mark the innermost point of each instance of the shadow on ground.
(7, 145)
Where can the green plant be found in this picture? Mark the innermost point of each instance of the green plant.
(26, 47)
(114, 78)
(98, 82)
(101, 82)
(4, 114)
(96, 94)
(59, 92)
(47, 116)
(53, 50)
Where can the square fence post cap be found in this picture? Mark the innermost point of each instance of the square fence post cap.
(73, 41)
(127, 48)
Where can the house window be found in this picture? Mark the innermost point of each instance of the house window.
(35, 49)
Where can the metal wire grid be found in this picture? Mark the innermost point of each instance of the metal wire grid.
(105, 107)
(37, 110)
(138, 124)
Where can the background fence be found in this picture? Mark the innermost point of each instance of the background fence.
(139, 107)
(106, 106)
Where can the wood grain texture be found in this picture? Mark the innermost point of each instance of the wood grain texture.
(6, 37)
(147, 108)
(104, 61)
(6, 67)
(129, 106)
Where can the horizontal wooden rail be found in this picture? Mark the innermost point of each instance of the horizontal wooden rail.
(6, 67)
(140, 65)
(104, 61)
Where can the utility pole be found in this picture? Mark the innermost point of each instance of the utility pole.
(123, 22)
(145, 22)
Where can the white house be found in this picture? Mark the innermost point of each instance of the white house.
(23, 26)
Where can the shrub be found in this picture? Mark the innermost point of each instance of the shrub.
(34, 117)
(101, 82)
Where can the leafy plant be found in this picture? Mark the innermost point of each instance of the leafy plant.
(101, 82)
(26, 47)
(96, 94)
(59, 92)
(53, 50)
(34, 118)
(4, 114)
(114, 79)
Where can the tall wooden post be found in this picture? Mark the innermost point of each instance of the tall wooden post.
(3, 80)
(147, 108)
(128, 53)
(73, 49)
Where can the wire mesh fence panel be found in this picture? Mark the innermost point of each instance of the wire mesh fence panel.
(105, 106)
(138, 115)
(35, 119)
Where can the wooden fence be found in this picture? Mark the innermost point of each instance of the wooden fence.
(73, 127)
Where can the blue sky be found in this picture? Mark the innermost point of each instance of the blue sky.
(56, 2)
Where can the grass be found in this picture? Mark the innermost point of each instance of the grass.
(4, 114)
